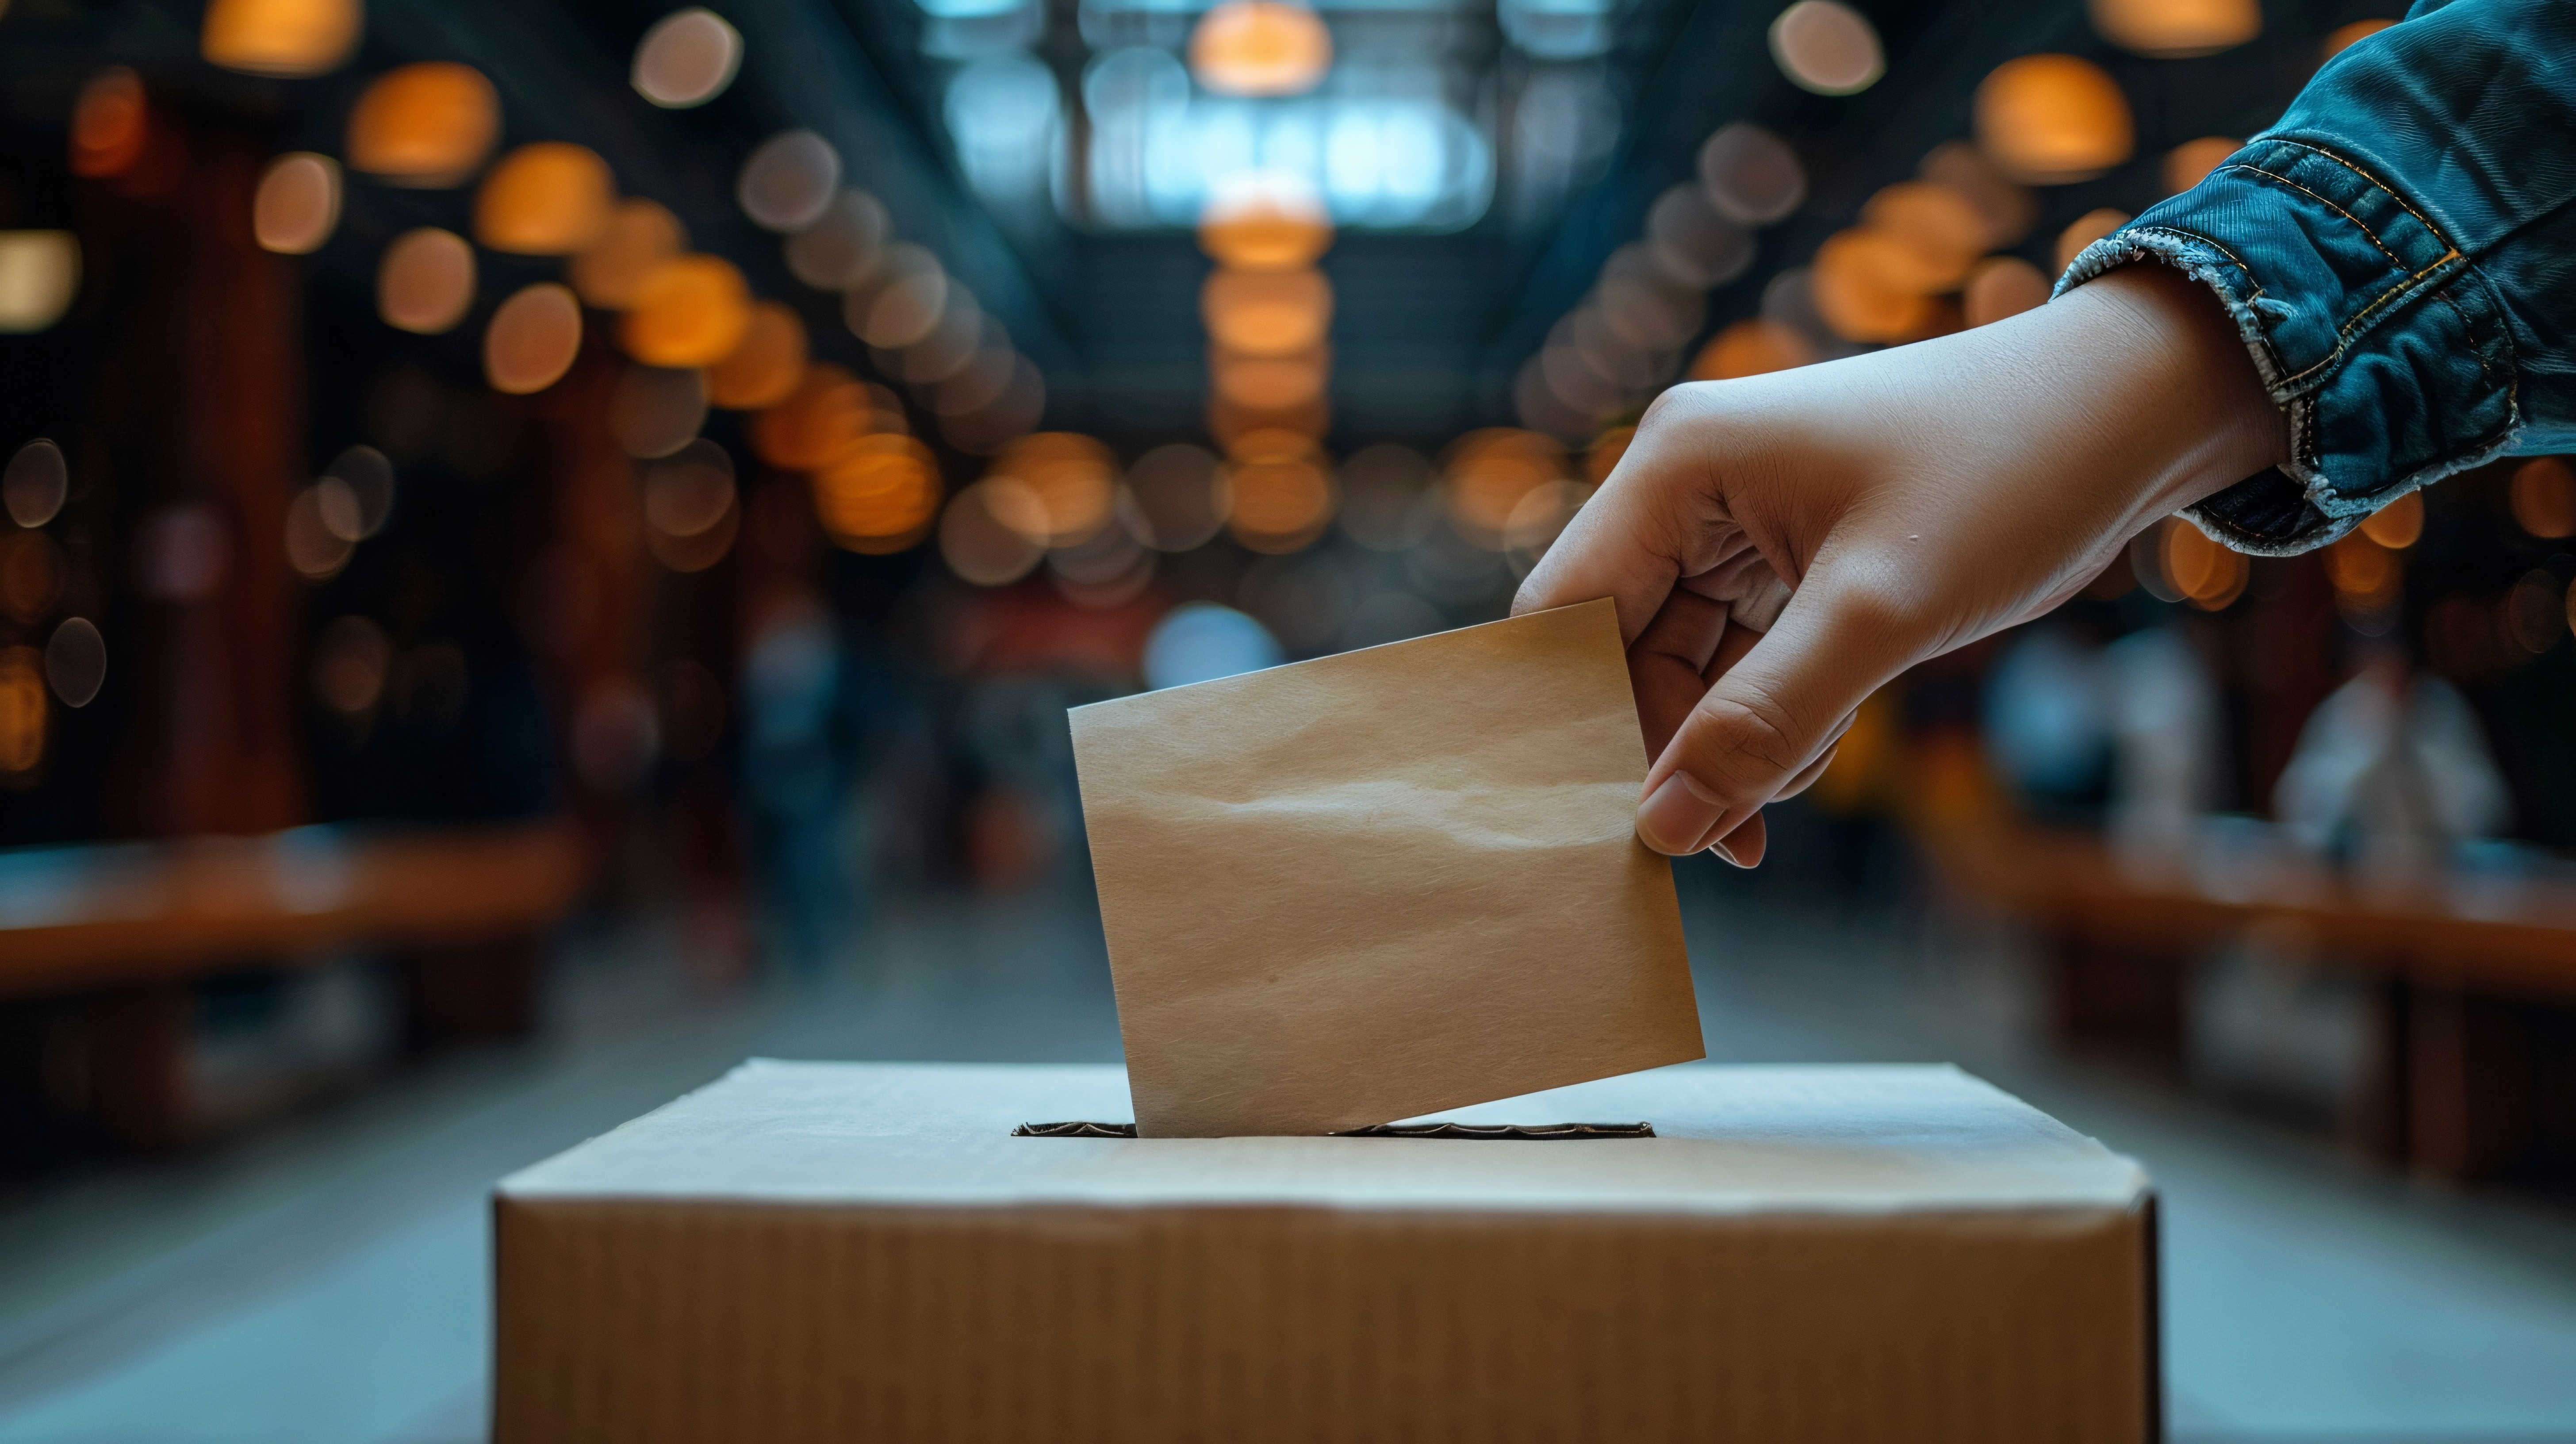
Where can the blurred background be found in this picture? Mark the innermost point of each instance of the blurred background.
(548, 545)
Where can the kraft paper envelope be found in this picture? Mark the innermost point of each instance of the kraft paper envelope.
(1384, 883)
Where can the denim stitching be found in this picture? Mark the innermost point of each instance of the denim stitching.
(2343, 333)
(2358, 223)
(2374, 183)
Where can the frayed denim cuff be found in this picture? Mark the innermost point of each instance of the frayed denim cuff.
(2383, 345)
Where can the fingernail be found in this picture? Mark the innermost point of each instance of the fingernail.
(1720, 849)
(1676, 815)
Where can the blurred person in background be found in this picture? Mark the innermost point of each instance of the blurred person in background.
(2368, 297)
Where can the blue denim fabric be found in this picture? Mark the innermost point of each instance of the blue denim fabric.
(2400, 256)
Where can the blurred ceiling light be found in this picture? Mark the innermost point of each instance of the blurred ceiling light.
(1176, 498)
(1486, 473)
(2053, 119)
(1387, 500)
(25, 718)
(689, 506)
(1869, 287)
(639, 236)
(2083, 231)
(2174, 29)
(1260, 48)
(350, 660)
(1693, 242)
(881, 497)
(111, 121)
(984, 535)
(287, 38)
(40, 273)
(1269, 383)
(1537, 519)
(765, 365)
(1751, 175)
(1751, 347)
(1004, 113)
(2190, 163)
(1826, 47)
(2009, 210)
(2543, 498)
(1557, 29)
(837, 250)
(1280, 506)
(76, 661)
(297, 204)
(1267, 313)
(1940, 226)
(2344, 37)
(691, 310)
(789, 181)
(320, 523)
(36, 484)
(687, 58)
(369, 477)
(823, 419)
(2398, 525)
(429, 124)
(2002, 286)
(906, 294)
(1270, 225)
(1073, 477)
(1202, 642)
(532, 339)
(425, 284)
(2210, 575)
(1008, 416)
(547, 198)
(655, 410)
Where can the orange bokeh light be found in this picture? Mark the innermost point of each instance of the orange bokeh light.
(1269, 383)
(690, 311)
(2210, 575)
(2083, 231)
(2189, 163)
(1280, 505)
(2051, 119)
(881, 496)
(547, 198)
(2173, 29)
(286, 38)
(1486, 474)
(1260, 47)
(428, 124)
(2002, 286)
(824, 418)
(1073, 477)
(1871, 287)
(2344, 37)
(1267, 313)
(1942, 228)
(297, 204)
(639, 236)
(1749, 348)
(2543, 498)
(110, 123)
(425, 284)
(533, 339)
(765, 366)
(1266, 232)
(25, 714)
(2398, 525)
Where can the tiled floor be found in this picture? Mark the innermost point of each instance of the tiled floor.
(325, 1282)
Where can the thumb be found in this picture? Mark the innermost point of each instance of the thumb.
(1770, 717)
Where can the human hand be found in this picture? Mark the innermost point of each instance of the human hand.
(1781, 546)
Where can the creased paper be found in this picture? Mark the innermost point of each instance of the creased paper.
(1384, 883)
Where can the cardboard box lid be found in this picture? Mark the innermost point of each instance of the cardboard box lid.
(1731, 1140)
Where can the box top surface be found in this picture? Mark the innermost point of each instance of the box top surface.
(1731, 1140)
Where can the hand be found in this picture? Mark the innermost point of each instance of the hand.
(1781, 546)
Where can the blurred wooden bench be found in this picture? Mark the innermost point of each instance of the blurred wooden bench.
(127, 927)
(2466, 969)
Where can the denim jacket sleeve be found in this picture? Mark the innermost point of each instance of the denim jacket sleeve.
(2399, 253)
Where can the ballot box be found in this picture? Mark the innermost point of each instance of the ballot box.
(839, 1252)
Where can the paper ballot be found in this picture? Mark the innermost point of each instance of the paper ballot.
(1384, 883)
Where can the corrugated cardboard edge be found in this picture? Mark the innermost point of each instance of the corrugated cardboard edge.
(773, 1323)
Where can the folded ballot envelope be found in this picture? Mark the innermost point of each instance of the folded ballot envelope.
(817, 1253)
(1383, 883)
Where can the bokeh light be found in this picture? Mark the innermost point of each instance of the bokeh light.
(2008, 208)
(2173, 29)
(2002, 286)
(2398, 525)
(1751, 347)
(2367, 581)
(1751, 175)
(789, 180)
(821, 420)
(837, 251)
(1537, 519)
(690, 509)
(2190, 163)
(1266, 227)
(880, 495)
(2344, 37)
(369, 476)
(2083, 231)
(656, 410)
(1871, 287)
(1202, 642)
(1267, 313)
(1827, 47)
(1269, 383)
(690, 310)
(1693, 242)
(687, 58)
(1942, 228)
(764, 367)
(321, 526)
(76, 661)
(640, 235)
(40, 274)
(547, 198)
(906, 294)
(297, 204)
(429, 124)
(1280, 503)
(2053, 119)
(1073, 478)
(286, 38)
(2208, 574)
(111, 123)
(351, 659)
(985, 532)
(36, 484)
(1260, 48)
(1388, 502)
(25, 716)
(1486, 473)
(425, 284)
(533, 339)
(2543, 498)
(1175, 498)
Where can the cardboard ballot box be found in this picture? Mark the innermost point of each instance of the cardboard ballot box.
(811, 1252)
